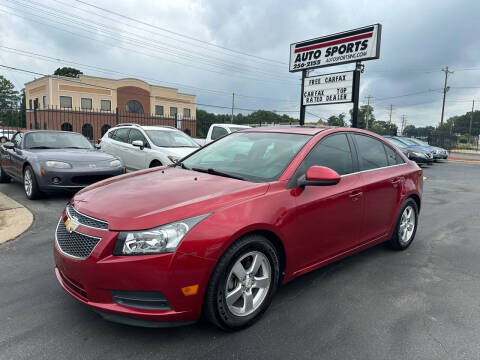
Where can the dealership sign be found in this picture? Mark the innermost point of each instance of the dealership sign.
(328, 89)
(345, 47)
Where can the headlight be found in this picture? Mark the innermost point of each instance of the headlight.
(58, 164)
(162, 239)
(173, 159)
(115, 163)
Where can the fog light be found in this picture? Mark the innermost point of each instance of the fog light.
(190, 290)
(56, 180)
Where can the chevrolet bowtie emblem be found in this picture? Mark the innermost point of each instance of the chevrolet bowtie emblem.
(70, 225)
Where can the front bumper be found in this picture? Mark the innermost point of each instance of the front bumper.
(93, 279)
(420, 160)
(72, 179)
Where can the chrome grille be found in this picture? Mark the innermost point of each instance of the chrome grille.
(75, 244)
(85, 220)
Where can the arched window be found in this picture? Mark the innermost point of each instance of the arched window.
(87, 131)
(133, 106)
(66, 127)
(105, 128)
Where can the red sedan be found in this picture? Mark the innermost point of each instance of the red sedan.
(218, 232)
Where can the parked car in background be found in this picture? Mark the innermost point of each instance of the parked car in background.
(438, 152)
(216, 131)
(219, 231)
(414, 147)
(46, 160)
(417, 155)
(142, 147)
(6, 135)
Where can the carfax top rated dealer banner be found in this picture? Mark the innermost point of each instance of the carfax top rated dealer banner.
(349, 46)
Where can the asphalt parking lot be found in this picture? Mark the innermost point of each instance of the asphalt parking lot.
(423, 303)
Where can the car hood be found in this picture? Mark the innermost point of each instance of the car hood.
(420, 148)
(153, 197)
(71, 155)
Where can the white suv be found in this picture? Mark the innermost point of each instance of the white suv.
(141, 147)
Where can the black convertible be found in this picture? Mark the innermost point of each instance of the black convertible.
(54, 160)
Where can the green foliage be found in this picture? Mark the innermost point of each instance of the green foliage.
(383, 128)
(460, 124)
(9, 104)
(364, 111)
(68, 72)
(259, 117)
(337, 120)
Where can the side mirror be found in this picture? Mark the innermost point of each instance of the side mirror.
(319, 176)
(9, 145)
(138, 143)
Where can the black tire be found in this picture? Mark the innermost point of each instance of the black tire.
(155, 163)
(34, 192)
(215, 305)
(4, 178)
(396, 242)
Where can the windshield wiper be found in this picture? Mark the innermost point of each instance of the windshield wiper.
(74, 147)
(42, 147)
(182, 165)
(219, 173)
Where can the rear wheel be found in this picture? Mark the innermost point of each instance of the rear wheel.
(4, 178)
(406, 226)
(30, 183)
(243, 283)
(3, 139)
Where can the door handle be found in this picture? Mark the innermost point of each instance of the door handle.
(355, 195)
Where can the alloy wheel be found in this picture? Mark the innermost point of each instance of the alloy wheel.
(28, 182)
(248, 283)
(407, 225)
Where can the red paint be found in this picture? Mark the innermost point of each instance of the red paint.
(322, 173)
(316, 225)
(335, 42)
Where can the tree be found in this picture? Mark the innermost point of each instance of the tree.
(363, 111)
(383, 127)
(337, 120)
(68, 72)
(9, 97)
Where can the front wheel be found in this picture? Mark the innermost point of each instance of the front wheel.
(406, 226)
(243, 283)
(30, 184)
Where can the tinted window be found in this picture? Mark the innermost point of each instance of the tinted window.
(56, 140)
(332, 152)
(121, 135)
(169, 138)
(137, 135)
(392, 156)
(371, 153)
(218, 132)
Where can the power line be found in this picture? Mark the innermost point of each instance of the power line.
(178, 34)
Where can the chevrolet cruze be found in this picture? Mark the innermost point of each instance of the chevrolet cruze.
(218, 232)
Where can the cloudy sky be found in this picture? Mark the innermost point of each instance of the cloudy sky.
(215, 48)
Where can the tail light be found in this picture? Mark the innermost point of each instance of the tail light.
(99, 140)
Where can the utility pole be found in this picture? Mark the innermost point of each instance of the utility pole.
(391, 110)
(356, 92)
(233, 105)
(471, 118)
(302, 106)
(367, 116)
(404, 122)
(445, 89)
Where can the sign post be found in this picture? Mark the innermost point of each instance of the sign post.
(337, 49)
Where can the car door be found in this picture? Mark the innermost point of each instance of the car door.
(12, 159)
(136, 158)
(120, 143)
(329, 217)
(381, 182)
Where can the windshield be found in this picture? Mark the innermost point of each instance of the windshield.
(419, 142)
(170, 138)
(236, 128)
(252, 156)
(396, 142)
(56, 140)
(408, 141)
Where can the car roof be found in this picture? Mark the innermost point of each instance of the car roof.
(146, 127)
(305, 130)
(234, 125)
(49, 131)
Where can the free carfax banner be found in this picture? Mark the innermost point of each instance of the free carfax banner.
(345, 47)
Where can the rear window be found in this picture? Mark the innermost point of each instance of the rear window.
(121, 134)
(371, 153)
(392, 156)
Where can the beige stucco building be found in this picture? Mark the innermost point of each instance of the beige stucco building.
(106, 95)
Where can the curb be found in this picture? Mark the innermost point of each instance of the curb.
(464, 160)
(15, 219)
